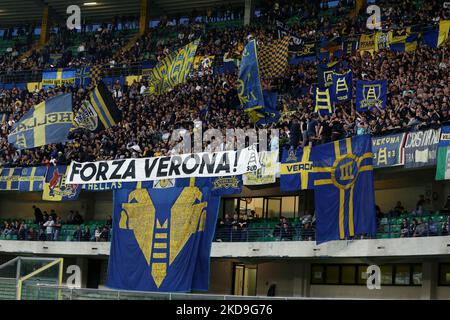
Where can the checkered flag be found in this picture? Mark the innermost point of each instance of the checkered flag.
(273, 58)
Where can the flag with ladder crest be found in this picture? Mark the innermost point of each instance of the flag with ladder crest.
(296, 169)
(162, 238)
(371, 94)
(342, 89)
(343, 189)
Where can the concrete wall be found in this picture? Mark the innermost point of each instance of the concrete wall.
(221, 276)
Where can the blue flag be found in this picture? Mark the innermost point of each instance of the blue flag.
(58, 77)
(343, 189)
(370, 94)
(325, 72)
(296, 167)
(32, 179)
(249, 83)
(162, 238)
(46, 123)
(9, 178)
(342, 87)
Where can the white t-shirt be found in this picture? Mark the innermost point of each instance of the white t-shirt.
(49, 224)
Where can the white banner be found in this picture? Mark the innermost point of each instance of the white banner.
(205, 164)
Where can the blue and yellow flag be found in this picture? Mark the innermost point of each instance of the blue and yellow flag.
(343, 189)
(249, 83)
(273, 58)
(55, 187)
(322, 101)
(296, 169)
(325, 73)
(58, 77)
(85, 76)
(32, 179)
(342, 87)
(162, 238)
(436, 37)
(99, 112)
(4, 117)
(9, 178)
(172, 70)
(46, 123)
(370, 94)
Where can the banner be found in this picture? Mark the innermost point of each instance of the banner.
(55, 188)
(9, 178)
(421, 148)
(342, 86)
(46, 123)
(58, 77)
(32, 179)
(371, 94)
(344, 189)
(388, 150)
(162, 238)
(268, 171)
(367, 43)
(295, 43)
(305, 53)
(443, 157)
(99, 112)
(224, 163)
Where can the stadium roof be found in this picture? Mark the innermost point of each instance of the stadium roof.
(14, 12)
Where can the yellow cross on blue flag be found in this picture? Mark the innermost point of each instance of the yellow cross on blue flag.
(46, 123)
(343, 189)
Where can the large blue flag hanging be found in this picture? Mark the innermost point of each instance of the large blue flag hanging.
(162, 238)
(295, 169)
(371, 94)
(342, 87)
(249, 83)
(46, 123)
(343, 189)
(32, 179)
